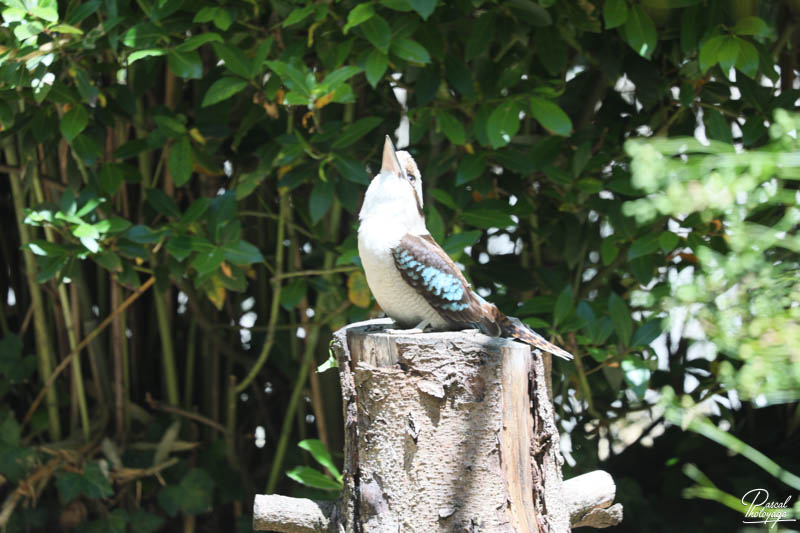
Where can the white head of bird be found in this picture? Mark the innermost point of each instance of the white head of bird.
(395, 194)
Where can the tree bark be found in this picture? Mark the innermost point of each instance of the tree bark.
(444, 432)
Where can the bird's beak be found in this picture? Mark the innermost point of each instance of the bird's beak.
(390, 162)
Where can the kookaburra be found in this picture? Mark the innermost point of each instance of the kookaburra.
(414, 281)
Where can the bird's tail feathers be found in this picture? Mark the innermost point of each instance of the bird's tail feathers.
(513, 327)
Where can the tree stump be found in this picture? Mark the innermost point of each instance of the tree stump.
(444, 432)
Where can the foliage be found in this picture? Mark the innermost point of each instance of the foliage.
(202, 165)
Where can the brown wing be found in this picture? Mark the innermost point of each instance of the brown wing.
(426, 267)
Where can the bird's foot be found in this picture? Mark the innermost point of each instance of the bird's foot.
(419, 328)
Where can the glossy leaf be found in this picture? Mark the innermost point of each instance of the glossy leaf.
(74, 122)
(551, 116)
(451, 127)
(410, 50)
(222, 89)
(620, 318)
(503, 124)
(181, 161)
(615, 13)
(640, 31)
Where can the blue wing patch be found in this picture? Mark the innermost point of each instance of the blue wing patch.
(433, 280)
(425, 266)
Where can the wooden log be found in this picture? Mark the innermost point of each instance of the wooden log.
(444, 432)
(590, 498)
(274, 512)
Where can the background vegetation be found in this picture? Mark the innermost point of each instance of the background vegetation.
(180, 190)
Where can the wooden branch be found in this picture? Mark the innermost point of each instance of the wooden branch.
(589, 498)
(272, 512)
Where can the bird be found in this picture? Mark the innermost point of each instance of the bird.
(412, 278)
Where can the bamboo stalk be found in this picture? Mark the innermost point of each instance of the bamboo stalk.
(66, 361)
(44, 351)
(167, 351)
(117, 341)
(276, 296)
(191, 356)
(294, 400)
(77, 374)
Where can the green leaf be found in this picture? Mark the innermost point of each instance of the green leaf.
(643, 246)
(709, 52)
(89, 206)
(667, 241)
(615, 13)
(351, 133)
(750, 26)
(503, 124)
(144, 35)
(196, 210)
(310, 477)
(185, 64)
(377, 32)
(359, 14)
(351, 169)
(435, 223)
(196, 41)
(608, 251)
(336, 78)
(208, 262)
(292, 293)
(179, 247)
(320, 201)
(110, 177)
(535, 14)
(747, 61)
(298, 14)
(108, 260)
(375, 67)
(243, 253)
(620, 318)
(551, 116)
(86, 230)
(143, 522)
(637, 374)
(50, 267)
(321, 455)
(47, 249)
(717, 127)
(471, 166)
(222, 89)
(456, 243)
(647, 333)
(143, 235)
(564, 305)
(640, 31)
(411, 51)
(181, 161)
(193, 495)
(158, 200)
(73, 122)
(141, 54)
(451, 127)
(727, 54)
(487, 218)
(424, 7)
(92, 483)
(112, 225)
